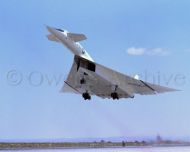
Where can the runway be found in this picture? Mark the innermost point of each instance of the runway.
(134, 149)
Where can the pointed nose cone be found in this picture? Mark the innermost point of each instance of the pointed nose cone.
(50, 29)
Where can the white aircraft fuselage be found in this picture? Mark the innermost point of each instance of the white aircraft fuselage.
(75, 47)
(88, 78)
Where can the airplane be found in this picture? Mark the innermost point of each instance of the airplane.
(89, 78)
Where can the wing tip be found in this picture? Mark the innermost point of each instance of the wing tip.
(177, 90)
(169, 90)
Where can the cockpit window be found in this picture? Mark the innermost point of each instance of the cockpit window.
(60, 30)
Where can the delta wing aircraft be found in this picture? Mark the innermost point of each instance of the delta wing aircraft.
(89, 78)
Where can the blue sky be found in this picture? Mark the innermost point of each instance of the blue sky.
(149, 38)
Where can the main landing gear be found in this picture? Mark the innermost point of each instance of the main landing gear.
(86, 96)
(115, 96)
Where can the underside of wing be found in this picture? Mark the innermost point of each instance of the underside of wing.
(93, 83)
(101, 87)
(92, 78)
(129, 84)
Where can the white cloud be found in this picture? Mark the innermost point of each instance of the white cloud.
(146, 51)
(136, 51)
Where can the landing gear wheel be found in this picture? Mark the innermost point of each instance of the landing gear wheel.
(114, 96)
(86, 96)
